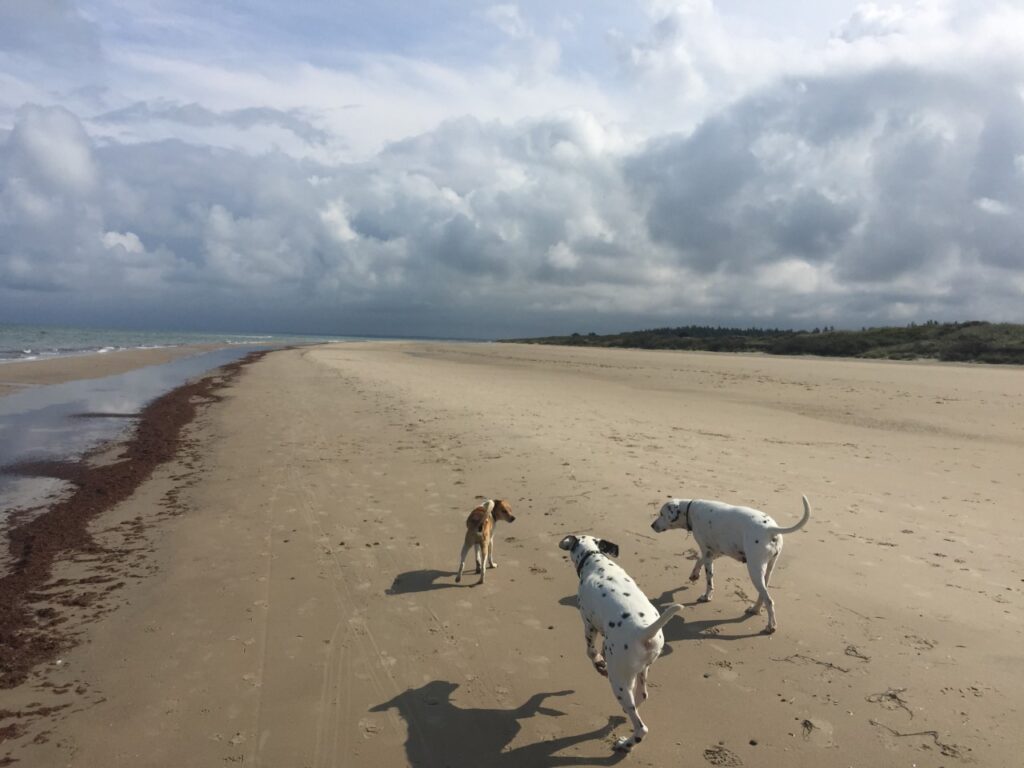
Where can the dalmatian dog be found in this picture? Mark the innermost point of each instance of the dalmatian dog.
(746, 534)
(614, 606)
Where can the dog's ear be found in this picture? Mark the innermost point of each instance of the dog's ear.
(568, 542)
(673, 509)
(608, 548)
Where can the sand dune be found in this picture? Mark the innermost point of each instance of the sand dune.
(299, 608)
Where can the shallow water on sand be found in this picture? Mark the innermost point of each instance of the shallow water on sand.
(65, 421)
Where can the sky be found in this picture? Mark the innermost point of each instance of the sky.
(469, 169)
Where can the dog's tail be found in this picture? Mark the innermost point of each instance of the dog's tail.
(488, 507)
(655, 628)
(798, 526)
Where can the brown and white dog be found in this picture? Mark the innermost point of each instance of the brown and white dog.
(480, 533)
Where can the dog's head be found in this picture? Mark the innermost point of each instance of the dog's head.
(503, 511)
(670, 516)
(580, 546)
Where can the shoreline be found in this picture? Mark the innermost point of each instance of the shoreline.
(33, 545)
(19, 374)
(299, 606)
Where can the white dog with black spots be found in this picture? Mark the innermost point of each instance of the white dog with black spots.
(743, 533)
(612, 605)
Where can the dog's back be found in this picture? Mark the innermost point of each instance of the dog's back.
(480, 522)
(613, 602)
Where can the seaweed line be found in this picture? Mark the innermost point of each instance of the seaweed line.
(801, 656)
(949, 750)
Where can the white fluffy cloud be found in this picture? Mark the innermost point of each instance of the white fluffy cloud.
(678, 167)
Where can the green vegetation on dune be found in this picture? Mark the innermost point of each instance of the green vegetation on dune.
(974, 341)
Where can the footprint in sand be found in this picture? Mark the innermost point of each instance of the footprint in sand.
(919, 643)
(369, 728)
(719, 755)
(725, 671)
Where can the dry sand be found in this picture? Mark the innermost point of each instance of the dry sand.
(301, 611)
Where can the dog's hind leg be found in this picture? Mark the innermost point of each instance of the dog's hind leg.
(640, 689)
(771, 567)
(590, 633)
(490, 552)
(462, 560)
(485, 551)
(771, 562)
(629, 706)
(758, 572)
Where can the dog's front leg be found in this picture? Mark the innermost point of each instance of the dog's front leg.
(709, 566)
(591, 633)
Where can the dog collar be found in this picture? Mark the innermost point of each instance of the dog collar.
(579, 568)
(688, 526)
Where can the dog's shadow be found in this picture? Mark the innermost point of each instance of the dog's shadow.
(683, 626)
(696, 629)
(422, 581)
(440, 733)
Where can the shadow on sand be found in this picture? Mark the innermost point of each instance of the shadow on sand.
(423, 581)
(446, 736)
(684, 627)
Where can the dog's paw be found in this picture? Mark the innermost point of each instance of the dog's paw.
(458, 578)
(704, 599)
(623, 745)
(492, 565)
(694, 576)
(768, 631)
(602, 667)
(753, 610)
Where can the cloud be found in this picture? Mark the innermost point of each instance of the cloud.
(56, 27)
(508, 19)
(197, 116)
(857, 181)
(870, 20)
(51, 147)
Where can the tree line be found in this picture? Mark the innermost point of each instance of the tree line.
(972, 341)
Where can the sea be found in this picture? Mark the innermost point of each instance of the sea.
(65, 421)
(35, 342)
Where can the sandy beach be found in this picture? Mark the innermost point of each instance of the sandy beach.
(283, 591)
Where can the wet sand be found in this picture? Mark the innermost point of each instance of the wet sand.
(18, 374)
(298, 607)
